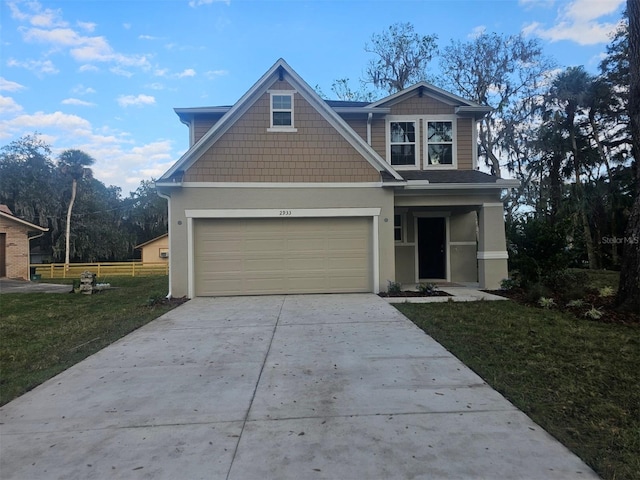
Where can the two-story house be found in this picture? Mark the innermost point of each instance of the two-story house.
(285, 192)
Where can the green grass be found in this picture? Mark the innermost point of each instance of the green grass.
(42, 334)
(598, 279)
(578, 379)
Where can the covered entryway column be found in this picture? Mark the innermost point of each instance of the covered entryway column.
(492, 246)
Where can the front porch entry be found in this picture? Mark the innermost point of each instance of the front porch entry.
(432, 248)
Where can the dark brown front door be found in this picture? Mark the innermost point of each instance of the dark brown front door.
(432, 254)
(3, 254)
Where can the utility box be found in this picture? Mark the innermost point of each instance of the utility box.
(87, 282)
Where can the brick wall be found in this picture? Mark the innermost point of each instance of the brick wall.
(16, 249)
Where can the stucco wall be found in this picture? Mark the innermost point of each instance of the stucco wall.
(151, 251)
(275, 198)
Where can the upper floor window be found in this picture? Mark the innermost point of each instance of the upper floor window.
(403, 143)
(439, 143)
(281, 111)
(422, 141)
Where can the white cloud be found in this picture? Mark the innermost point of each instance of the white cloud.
(156, 86)
(41, 120)
(10, 86)
(211, 74)
(36, 66)
(82, 90)
(579, 21)
(148, 37)
(189, 72)
(87, 26)
(121, 71)
(477, 31)
(37, 16)
(197, 3)
(126, 26)
(78, 102)
(161, 72)
(9, 105)
(88, 68)
(136, 100)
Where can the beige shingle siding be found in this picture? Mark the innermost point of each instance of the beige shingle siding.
(422, 106)
(465, 144)
(202, 125)
(248, 153)
(359, 125)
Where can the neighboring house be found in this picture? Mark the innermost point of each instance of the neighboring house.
(15, 234)
(155, 250)
(285, 192)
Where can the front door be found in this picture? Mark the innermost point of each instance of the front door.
(432, 242)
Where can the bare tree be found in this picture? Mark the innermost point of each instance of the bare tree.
(504, 72)
(629, 290)
(402, 56)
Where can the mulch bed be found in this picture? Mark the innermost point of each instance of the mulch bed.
(412, 293)
(592, 300)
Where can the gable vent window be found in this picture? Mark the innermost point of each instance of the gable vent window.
(281, 112)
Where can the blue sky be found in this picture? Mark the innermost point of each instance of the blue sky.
(103, 76)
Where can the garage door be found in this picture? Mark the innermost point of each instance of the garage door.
(274, 255)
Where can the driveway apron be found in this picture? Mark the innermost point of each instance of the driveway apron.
(276, 387)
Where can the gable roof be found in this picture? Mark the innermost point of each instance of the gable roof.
(5, 212)
(152, 240)
(280, 68)
(462, 105)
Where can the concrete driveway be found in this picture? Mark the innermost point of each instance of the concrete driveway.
(22, 286)
(276, 387)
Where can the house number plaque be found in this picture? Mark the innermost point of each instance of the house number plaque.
(285, 213)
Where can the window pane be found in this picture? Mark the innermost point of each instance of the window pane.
(397, 220)
(397, 227)
(403, 154)
(403, 132)
(440, 132)
(282, 118)
(440, 155)
(281, 102)
(397, 234)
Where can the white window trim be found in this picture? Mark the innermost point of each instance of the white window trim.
(281, 128)
(403, 228)
(454, 144)
(403, 118)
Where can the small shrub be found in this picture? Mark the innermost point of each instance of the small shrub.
(606, 292)
(536, 291)
(394, 287)
(576, 303)
(427, 288)
(509, 284)
(545, 302)
(566, 284)
(594, 313)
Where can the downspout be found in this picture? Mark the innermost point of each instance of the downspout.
(168, 198)
(369, 120)
(29, 240)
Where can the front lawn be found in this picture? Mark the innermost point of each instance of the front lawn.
(42, 334)
(578, 379)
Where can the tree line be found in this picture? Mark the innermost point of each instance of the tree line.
(87, 221)
(564, 133)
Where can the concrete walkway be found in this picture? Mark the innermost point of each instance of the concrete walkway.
(275, 387)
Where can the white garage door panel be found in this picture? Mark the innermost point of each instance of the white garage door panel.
(273, 255)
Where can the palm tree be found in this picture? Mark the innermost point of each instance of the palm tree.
(74, 164)
(570, 89)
